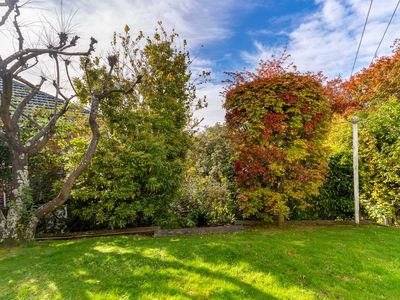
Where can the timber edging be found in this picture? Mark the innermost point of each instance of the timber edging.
(146, 231)
(154, 231)
(251, 223)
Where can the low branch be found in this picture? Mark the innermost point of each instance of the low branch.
(63, 195)
(38, 141)
(30, 119)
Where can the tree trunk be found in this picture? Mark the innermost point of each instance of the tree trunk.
(20, 182)
(281, 219)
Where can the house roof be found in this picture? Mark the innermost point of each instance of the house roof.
(41, 100)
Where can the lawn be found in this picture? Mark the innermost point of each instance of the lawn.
(341, 262)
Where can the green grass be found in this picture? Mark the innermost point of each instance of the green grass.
(297, 263)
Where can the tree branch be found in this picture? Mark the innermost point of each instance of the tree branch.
(63, 195)
(11, 4)
(21, 106)
(56, 83)
(128, 91)
(67, 62)
(38, 141)
(25, 55)
(18, 29)
(30, 119)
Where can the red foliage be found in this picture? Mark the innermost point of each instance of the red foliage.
(270, 112)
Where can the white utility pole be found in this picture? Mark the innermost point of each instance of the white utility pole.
(355, 172)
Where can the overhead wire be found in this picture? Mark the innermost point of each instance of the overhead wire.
(362, 36)
(384, 34)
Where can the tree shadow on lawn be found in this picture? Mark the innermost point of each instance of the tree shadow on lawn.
(306, 264)
(106, 270)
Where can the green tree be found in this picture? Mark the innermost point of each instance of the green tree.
(379, 151)
(208, 193)
(139, 166)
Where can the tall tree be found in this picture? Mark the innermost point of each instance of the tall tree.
(277, 118)
(147, 137)
(13, 67)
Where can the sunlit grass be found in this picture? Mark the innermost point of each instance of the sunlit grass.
(297, 263)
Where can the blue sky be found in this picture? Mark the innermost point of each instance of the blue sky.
(227, 35)
(266, 21)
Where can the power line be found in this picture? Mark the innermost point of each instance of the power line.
(362, 36)
(384, 34)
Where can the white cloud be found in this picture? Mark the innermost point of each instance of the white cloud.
(214, 112)
(327, 40)
(198, 21)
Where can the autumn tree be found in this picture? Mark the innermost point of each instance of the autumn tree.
(277, 118)
(13, 68)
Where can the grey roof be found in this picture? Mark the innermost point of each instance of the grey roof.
(41, 100)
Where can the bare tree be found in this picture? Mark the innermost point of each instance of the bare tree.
(12, 69)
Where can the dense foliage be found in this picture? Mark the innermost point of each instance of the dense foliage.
(277, 119)
(208, 192)
(139, 165)
(380, 152)
(335, 200)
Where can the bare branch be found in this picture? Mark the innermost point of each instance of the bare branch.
(18, 29)
(87, 75)
(30, 119)
(38, 141)
(26, 67)
(62, 197)
(56, 83)
(11, 4)
(128, 91)
(24, 81)
(25, 55)
(21, 106)
(67, 63)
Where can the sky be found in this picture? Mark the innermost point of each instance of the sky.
(229, 35)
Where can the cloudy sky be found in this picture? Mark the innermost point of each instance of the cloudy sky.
(227, 35)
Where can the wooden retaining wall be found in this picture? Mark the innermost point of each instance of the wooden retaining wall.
(146, 231)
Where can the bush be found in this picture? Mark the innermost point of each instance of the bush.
(335, 201)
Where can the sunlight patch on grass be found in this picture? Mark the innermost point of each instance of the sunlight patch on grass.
(322, 263)
(112, 249)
